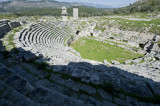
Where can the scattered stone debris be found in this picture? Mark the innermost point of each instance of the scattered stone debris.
(45, 72)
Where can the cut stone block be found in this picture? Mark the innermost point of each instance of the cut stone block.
(106, 103)
(94, 101)
(87, 77)
(105, 95)
(76, 86)
(29, 56)
(78, 73)
(95, 79)
(88, 89)
(4, 72)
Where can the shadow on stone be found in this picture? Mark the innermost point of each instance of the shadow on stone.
(112, 80)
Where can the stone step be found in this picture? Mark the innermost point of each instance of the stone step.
(15, 87)
(51, 98)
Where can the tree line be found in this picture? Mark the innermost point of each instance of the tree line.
(150, 6)
(145, 7)
(83, 12)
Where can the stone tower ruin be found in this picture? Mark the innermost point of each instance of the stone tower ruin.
(75, 12)
(64, 13)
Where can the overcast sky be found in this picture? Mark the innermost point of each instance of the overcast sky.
(112, 3)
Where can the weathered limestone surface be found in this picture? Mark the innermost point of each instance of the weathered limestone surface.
(25, 79)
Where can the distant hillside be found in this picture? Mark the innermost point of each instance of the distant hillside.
(83, 11)
(49, 7)
(139, 6)
(21, 5)
(94, 5)
(145, 6)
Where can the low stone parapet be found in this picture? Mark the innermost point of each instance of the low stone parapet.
(6, 26)
(14, 24)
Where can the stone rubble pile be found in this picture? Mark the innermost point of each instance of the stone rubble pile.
(149, 65)
(88, 26)
(128, 36)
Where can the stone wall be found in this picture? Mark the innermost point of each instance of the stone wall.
(131, 36)
(14, 24)
(6, 26)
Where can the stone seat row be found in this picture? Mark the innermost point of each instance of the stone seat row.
(47, 40)
(56, 33)
(44, 38)
(17, 91)
(33, 34)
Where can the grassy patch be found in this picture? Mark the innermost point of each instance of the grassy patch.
(67, 38)
(8, 16)
(142, 61)
(9, 38)
(99, 51)
(135, 25)
(155, 29)
(135, 49)
(100, 28)
(116, 35)
(83, 23)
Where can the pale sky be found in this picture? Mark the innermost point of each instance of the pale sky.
(112, 3)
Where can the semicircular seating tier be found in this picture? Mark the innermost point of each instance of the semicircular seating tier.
(75, 84)
(47, 39)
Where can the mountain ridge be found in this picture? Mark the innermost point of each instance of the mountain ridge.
(141, 6)
(18, 5)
